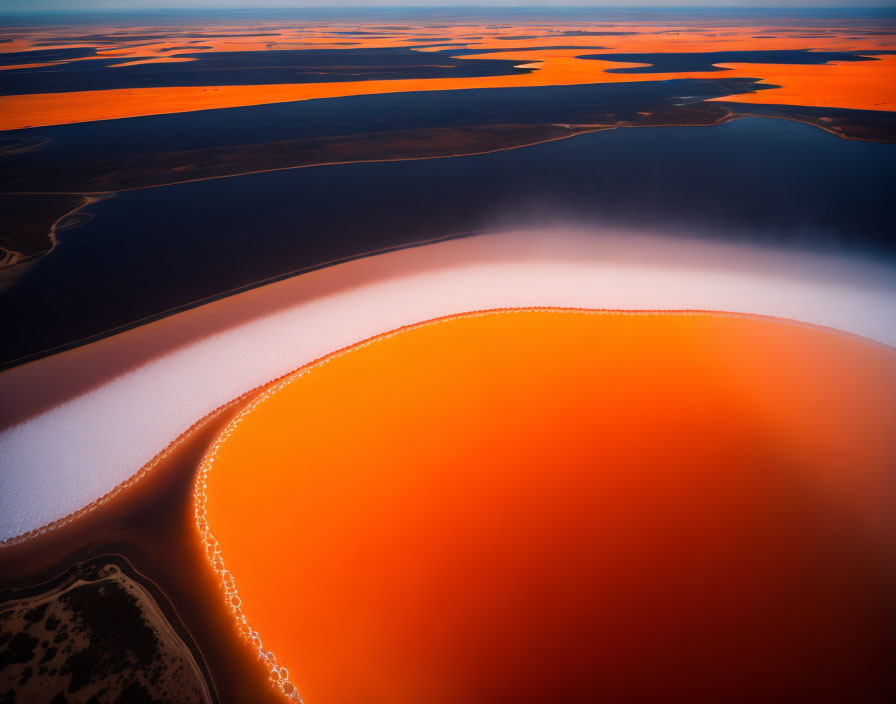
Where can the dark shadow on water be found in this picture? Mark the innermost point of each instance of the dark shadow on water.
(754, 181)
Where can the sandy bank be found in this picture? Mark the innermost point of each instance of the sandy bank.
(81, 422)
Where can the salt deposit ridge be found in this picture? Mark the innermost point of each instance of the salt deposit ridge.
(79, 423)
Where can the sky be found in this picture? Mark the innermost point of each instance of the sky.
(81, 5)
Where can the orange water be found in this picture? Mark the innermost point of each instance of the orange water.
(863, 85)
(560, 506)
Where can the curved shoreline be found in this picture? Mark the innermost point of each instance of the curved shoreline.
(88, 422)
(250, 399)
(279, 675)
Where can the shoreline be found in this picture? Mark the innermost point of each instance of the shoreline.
(16, 258)
(244, 403)
(233, 578)
(90, 388)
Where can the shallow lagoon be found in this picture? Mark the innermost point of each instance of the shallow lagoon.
(147, 252)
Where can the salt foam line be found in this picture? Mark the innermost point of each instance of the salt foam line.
(65, 457)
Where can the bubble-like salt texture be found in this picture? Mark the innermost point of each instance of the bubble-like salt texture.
(66, 458)
(278, 676)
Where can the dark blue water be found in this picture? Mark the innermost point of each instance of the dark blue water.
(672, 62)
(270, 67)
(68, 145)
(753, 180)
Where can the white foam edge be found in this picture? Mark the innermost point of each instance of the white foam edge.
(56, 462)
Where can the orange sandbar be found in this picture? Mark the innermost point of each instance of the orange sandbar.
(862, 86)
(569, 506)
(842, 84)
(866, 85)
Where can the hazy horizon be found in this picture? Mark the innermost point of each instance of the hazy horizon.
(66, 6)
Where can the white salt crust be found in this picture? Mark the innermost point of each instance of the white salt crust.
(82, 445)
